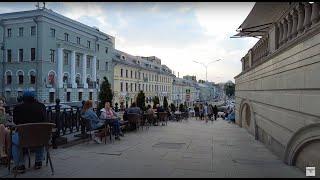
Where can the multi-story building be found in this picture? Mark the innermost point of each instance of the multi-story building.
(135, 73)
(52, 55)
(278, 90)
(184, 92)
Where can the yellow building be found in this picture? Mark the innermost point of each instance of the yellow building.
(135, 73)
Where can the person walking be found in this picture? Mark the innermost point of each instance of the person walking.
(201, 111)
(196, 111)
(205, 109)
(215, 112)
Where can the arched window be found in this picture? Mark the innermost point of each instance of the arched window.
(51, 77)
(65, 78)
(8, 77)
(32, 75)
(20, 75)
(88, 79)
(78, 79)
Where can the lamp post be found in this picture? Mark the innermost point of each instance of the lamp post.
(206, 66)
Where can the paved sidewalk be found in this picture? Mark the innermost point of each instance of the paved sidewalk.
(182, 149)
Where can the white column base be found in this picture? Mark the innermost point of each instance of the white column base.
(86, 85)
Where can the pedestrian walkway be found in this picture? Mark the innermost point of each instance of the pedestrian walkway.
(191, 148)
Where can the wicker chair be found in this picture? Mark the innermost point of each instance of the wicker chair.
(149, 119)
(102, 133)
(134, 119)
(32, 135)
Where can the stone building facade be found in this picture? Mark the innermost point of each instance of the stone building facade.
(135, 73)
(52, 55)
(278, 90)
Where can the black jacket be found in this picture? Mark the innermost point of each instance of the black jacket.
(29, 112)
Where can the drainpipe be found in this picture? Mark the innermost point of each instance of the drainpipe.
(37, 58)
(3, 56)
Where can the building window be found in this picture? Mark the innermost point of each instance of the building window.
(66, 58)
(98, 62)
(80, 96)
(53, 32)
(98, 47)
(78, 40)
(135, 87)
(33, 54)
(106, 50)
(51, 55)
(78, 79)
(66, 36)
(127, 87)
(20, 55)
(51, 97)
(139, 75)
(135, 74)
(131, 74)
(139, 87)
(32, 77)
(121, 86)
(20, 77)
(9, 78)
(88, 44)
(142, 87)
(78, 60)
(33, 30)
(126, 72)
(88, 63)
(131, 87)
(21, 32)
(121, 73)
(107, 66)
(9, 32)
(68, 96)
(9, 55)
(90, 95)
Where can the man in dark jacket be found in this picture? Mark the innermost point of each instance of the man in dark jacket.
(215, 112)
(30, 111)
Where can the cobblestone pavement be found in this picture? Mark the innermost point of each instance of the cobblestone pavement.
(191, 148)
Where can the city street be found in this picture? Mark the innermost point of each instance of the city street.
(189, 148)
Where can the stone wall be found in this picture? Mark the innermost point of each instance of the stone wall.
(281, 97)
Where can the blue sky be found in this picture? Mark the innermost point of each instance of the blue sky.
(176, 32)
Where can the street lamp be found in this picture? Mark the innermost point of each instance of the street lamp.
(206, 66)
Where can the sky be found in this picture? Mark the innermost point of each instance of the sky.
(178, 33)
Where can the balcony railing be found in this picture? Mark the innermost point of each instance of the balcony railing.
(301, 21)
(80, 85)
(92, 85)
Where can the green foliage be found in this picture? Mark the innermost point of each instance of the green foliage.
(165, 103)
(229, 89)
(141, 100)
(116, 108)
(156, 101)
(173, 107)
(105, 93)
(181, 108)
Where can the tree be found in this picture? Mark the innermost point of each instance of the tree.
(105, 93)
(165, 103)
(229, 89)
(181, 108)
(155, 101)
(173, 107)
(141, 100)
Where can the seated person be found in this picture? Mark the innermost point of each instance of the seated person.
(95, 123)
(108, 113)
(151, 111)
(30, 107)
(4, 133)
(132, 110)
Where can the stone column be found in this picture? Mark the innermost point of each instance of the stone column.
(315, 12)
(60, 68)
(285, 30)
(289, 33)
(307, 15)
(84, 70)
(300, 18)
(294, 23)
(73, 69)
(280, 34)
(94, 69)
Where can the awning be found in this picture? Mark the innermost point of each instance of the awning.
(261, 17)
